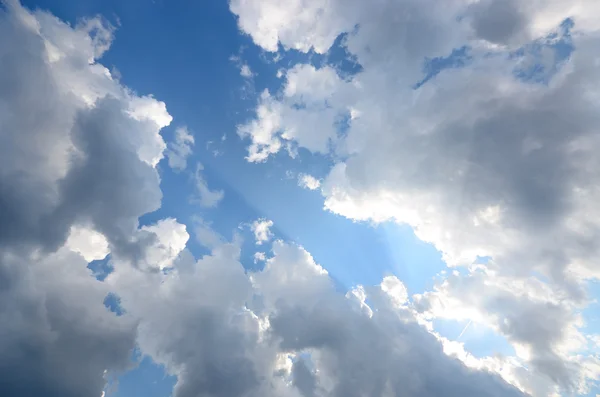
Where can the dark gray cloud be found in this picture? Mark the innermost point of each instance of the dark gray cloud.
(68, 132)
(57, 338)
(498, 21)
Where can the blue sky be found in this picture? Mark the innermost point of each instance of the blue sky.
(190, 54)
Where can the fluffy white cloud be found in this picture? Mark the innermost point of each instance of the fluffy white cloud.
(87, 242)
(170, 238)
(302, 114)
(180, 149)
(262, 230)
(308, 182)
(479, 160)
(296, 24)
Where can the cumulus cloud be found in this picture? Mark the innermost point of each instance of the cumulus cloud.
(308, 182)
(286, 331)
(170, 238)
(262, 230)
(57, 337)
(180, 149)
(87, 242)
(77, 168)
(484, 160)
(302, 114)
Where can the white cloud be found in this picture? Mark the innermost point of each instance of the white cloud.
(302, 114)
(205, 196)
(245, 71)
(170, 238)
(87, 242)
(392, 286)
(506, 171)
(263, 130)
(245, 327)
(259, 257)
(180, 149)
(261, 229)
(308, 182)
(296, 24)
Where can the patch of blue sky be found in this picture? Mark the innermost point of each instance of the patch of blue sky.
(101, 268)
(113, 303)
(458, 58)
(479, 340)
(147, 379)
(591, 313)
(544, 57)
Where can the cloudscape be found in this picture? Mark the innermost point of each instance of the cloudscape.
(302, 198)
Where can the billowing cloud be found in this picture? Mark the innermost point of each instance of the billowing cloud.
(77, 168)
(286, 331)
(170, 238)
(495, 159)
(180, 149)
(57, 337)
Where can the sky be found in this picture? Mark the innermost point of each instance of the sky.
(304, 198)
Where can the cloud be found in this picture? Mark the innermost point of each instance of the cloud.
(57, 337)
(497, 21)
(261, 229)
(170, 238)
(180, 149)
(77, 169)
(294, 24)
(301, 114)
(259, 257)
(480, 160)
(286, 331)
(87, 242)
(204, 195)
(78, 157)
(245, 71)
(304, 25)
(308, 182)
